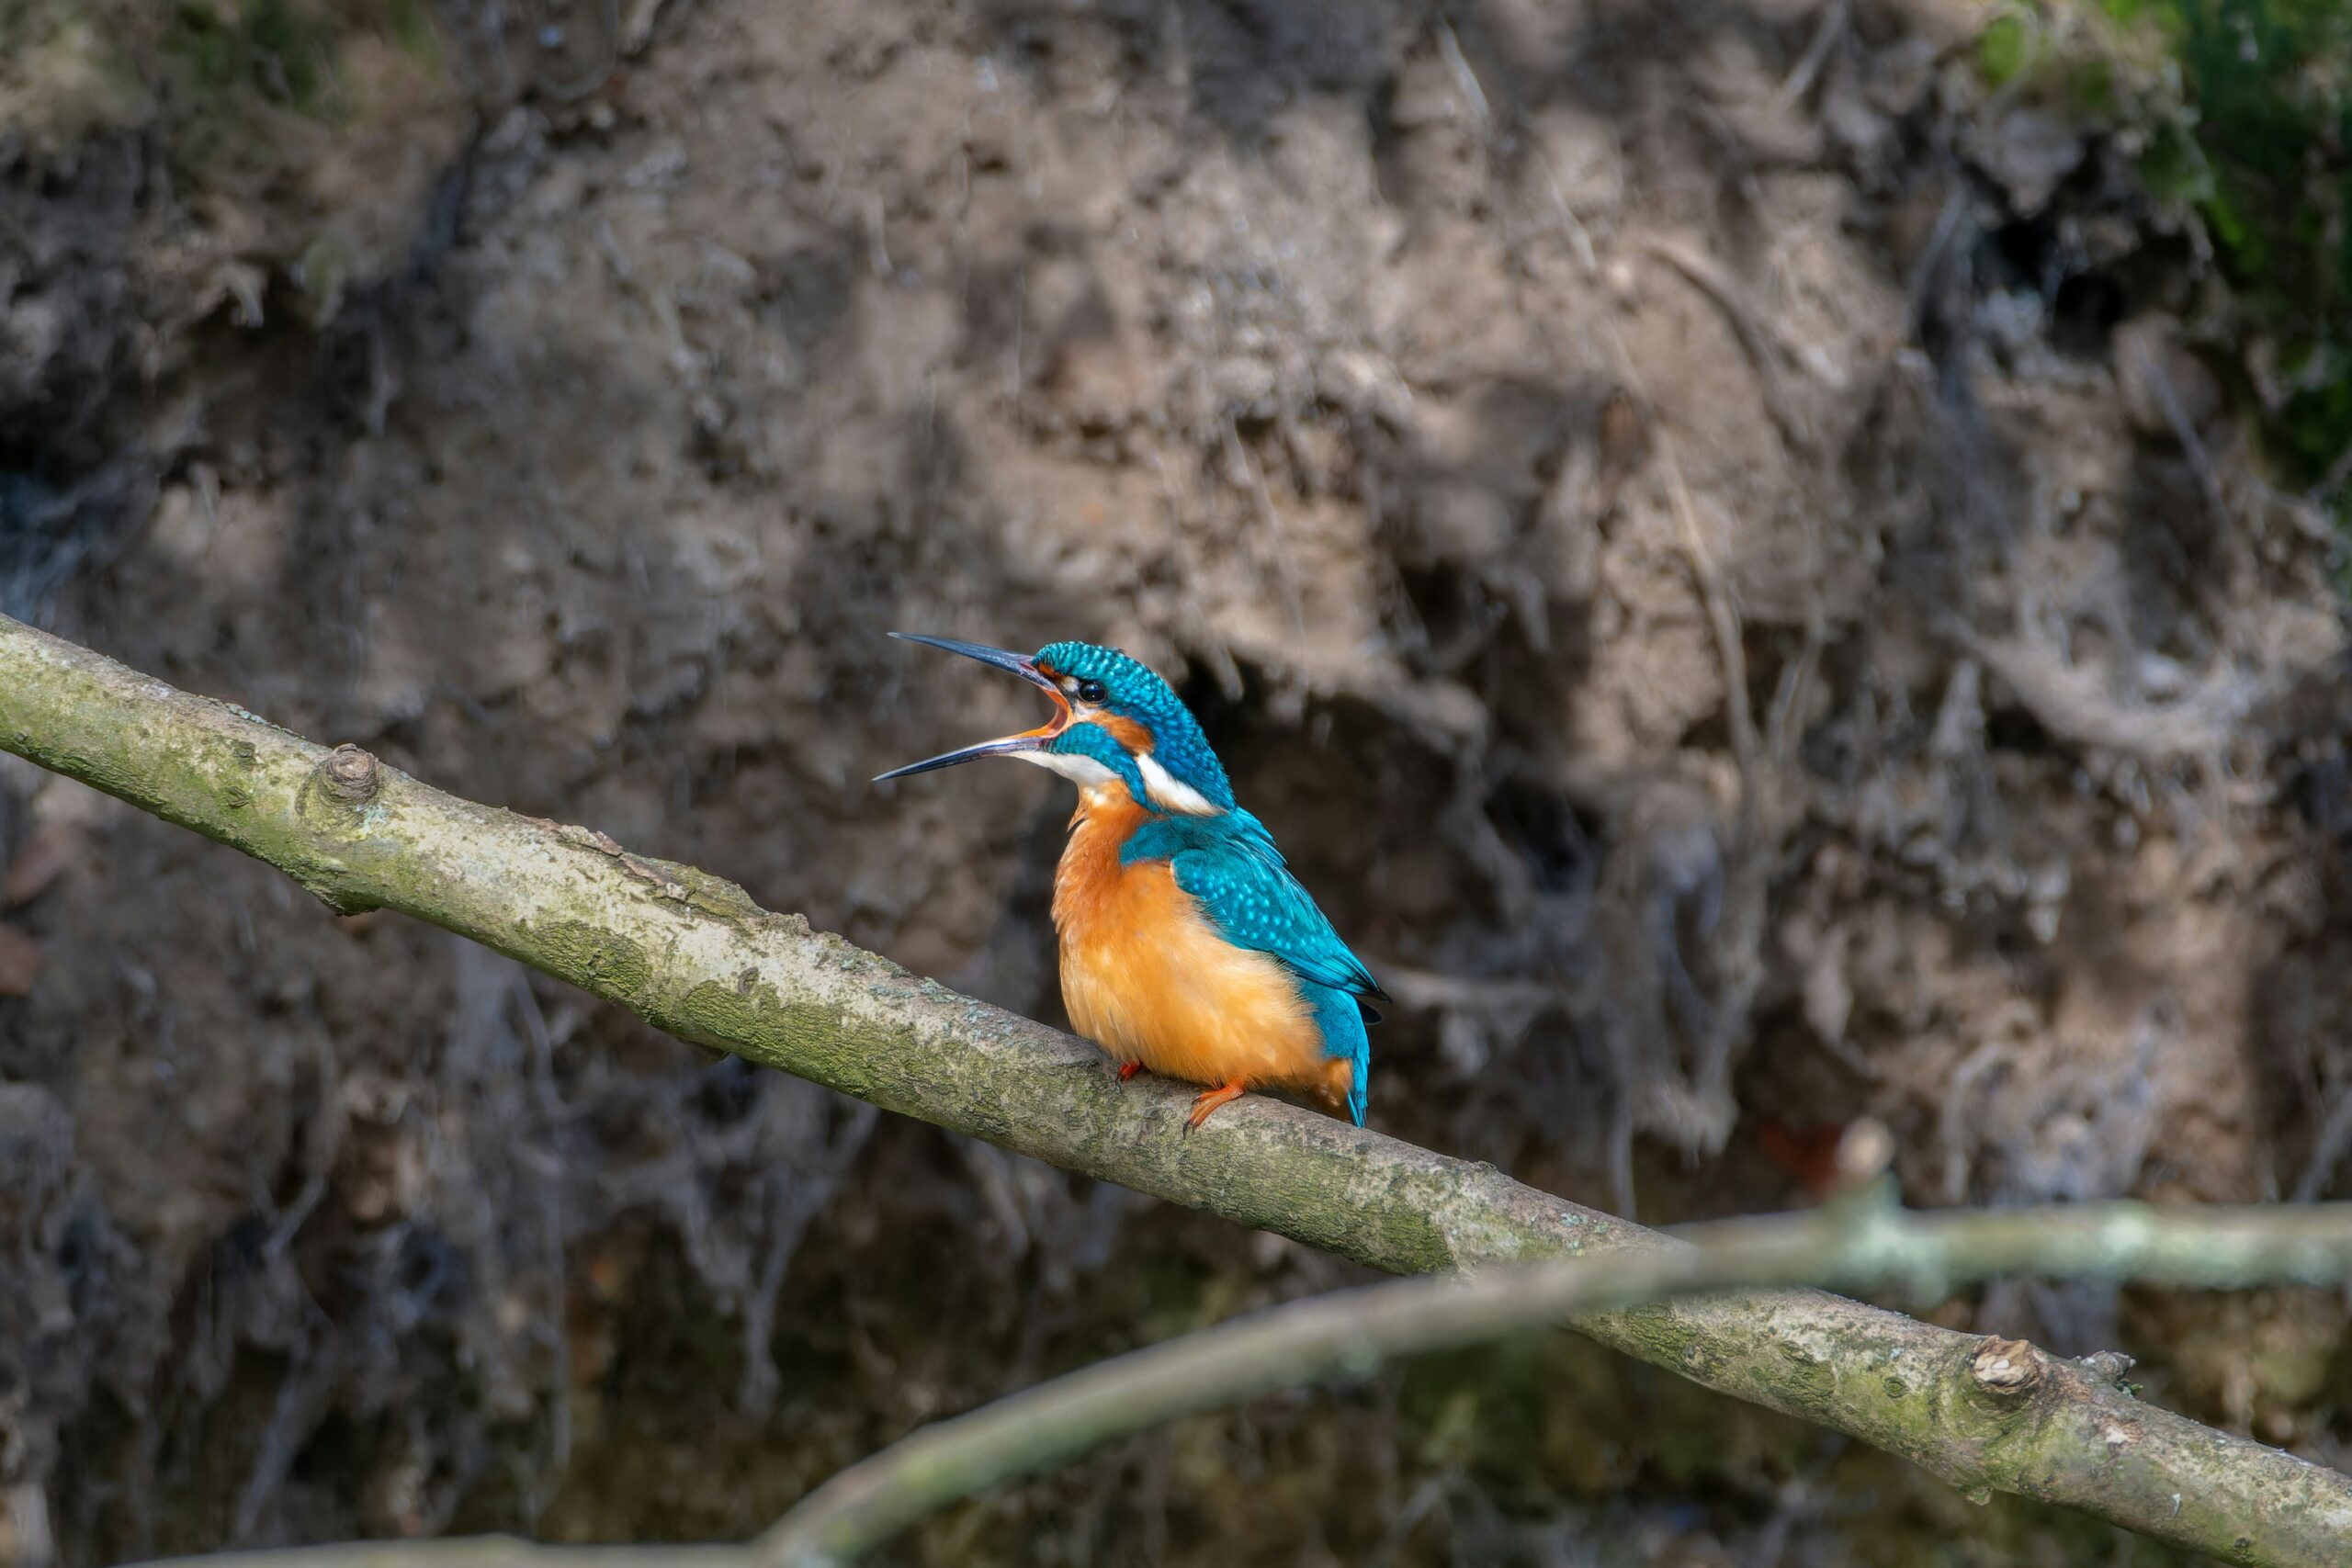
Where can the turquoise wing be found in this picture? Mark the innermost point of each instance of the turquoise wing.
(1230, 866)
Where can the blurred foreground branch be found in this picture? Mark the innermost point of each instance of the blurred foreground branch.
(1856, 1243)
(693, 955)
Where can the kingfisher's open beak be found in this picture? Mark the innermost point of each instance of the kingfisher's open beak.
(1021, 664)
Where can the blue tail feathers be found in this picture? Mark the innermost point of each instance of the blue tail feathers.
(1341, 1021)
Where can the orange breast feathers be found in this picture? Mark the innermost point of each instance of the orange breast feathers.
(1149, 979)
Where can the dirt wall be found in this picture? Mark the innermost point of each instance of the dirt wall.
(1711, 536)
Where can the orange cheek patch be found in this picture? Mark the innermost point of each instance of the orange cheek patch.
(1126, 732)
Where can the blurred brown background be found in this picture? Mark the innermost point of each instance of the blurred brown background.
(1699, 525)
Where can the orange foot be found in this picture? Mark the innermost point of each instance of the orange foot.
(1128, 1071)
(1210, 1101)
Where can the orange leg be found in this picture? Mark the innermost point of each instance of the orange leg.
(1209, 1101)
(1128, 1071)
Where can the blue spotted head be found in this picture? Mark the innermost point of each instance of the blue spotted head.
(1113, 721)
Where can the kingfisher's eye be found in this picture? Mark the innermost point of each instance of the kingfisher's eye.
(1091, 692)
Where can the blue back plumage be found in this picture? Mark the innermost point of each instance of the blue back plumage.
(1230, 865)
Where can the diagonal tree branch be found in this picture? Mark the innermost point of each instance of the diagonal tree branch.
(693, 955)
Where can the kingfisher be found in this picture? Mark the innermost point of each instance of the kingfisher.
(1187, 945)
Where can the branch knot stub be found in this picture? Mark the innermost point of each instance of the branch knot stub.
(350, 774)
(2006, 1369)
(2110, 1367)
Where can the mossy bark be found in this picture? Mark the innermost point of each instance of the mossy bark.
(693, 955)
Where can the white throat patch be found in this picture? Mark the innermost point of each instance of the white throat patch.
(1082, 770)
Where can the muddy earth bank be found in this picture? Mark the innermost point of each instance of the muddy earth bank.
(1717, 541)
